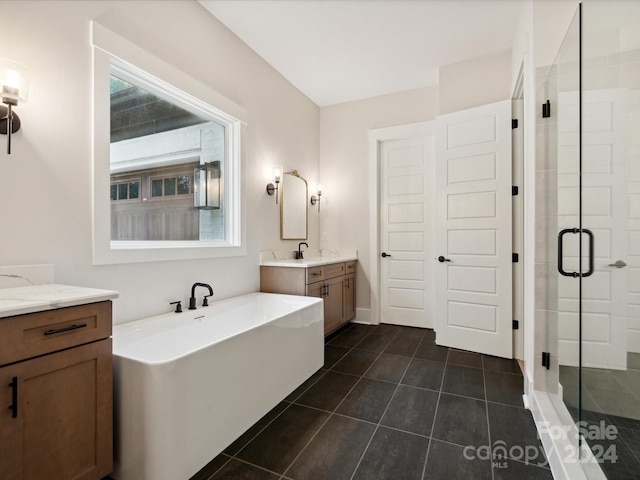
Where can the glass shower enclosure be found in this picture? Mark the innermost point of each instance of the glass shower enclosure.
(590, 234)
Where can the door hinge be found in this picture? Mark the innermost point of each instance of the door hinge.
(516, 324)
(546, 359)
(514, 257)
(514, 190)
(546, 109)
(514, 123)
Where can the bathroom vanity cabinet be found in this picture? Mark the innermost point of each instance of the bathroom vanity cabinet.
(335, 283)
(56, 394)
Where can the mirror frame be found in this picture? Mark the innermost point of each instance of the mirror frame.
(294, 173)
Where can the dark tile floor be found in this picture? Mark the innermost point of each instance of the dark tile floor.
(611, 398)
(615, 392)
(390, 404)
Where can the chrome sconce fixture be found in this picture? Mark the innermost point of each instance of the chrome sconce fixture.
(206, 186)
(271, 189)
(14, 85)
(315, 199)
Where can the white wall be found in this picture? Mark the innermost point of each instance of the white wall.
(475, 82)
(551, 20)
(46, 191)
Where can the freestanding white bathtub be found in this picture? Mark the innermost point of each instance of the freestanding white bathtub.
(188, 384)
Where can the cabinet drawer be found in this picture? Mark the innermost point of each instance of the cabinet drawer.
(333, 270)
(315, 274)
(350, 267)
(27, 336)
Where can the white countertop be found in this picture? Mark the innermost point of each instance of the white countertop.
(38, 298)
(311, 260)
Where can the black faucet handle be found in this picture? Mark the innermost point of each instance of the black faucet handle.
(205, 300)
(178, 305)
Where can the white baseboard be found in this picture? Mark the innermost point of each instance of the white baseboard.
(633, 341)
(363, 315)
(558, 439)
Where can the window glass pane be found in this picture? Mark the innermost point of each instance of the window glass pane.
(156, 188)
(123, 190)
(148, 132)
(134, 190)
(170, 186)
(183, 185)
(114, 192)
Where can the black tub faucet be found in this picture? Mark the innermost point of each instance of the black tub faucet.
(299, 252)
(192, 299)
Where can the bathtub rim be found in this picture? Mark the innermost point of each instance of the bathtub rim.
(307, 301)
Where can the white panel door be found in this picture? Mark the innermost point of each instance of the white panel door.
(406, 226)
(605, 212)
(473, 230)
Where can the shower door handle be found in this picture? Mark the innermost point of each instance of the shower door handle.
(561, 255)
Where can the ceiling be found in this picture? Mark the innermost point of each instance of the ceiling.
(336, 51)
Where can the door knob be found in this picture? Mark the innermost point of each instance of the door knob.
(442, 259)
(618, 264)
(385, 254)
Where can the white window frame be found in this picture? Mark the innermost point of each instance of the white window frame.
(114, 54)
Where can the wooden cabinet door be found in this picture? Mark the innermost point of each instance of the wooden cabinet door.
(333, 304)
(349, 297)
(62, 428)
(332, 292)
(315, 290)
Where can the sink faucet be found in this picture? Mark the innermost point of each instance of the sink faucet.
(299, 252)
(192, 300)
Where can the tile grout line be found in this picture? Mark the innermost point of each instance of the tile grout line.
(307, 389)
(435, 414)
(247, 463)
(277, 416)
(337, 406)
(293, 402)
(306, 445)
(364, 451)
(486, 409)
(213, 474)
(261, 430)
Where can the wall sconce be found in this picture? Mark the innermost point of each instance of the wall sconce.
(14, 85)
(206, 186)
(315, 199)
(277, 173)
